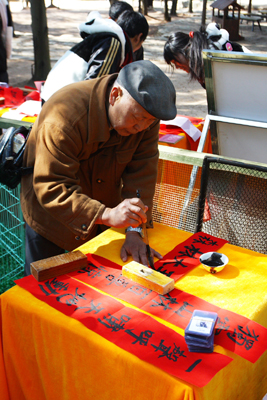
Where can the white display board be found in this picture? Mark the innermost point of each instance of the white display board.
(236, 86)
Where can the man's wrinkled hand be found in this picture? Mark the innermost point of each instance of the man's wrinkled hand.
(130, 212)
(135, 247)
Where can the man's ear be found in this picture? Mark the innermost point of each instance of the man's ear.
(137, 41)
(115, 94)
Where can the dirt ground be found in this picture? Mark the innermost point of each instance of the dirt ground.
(63, 34)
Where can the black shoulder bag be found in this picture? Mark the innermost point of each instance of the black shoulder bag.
(12, 146)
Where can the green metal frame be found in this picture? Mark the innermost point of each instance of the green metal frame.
(12, 226)
(195, 158)
(7, 123)
(12, 247)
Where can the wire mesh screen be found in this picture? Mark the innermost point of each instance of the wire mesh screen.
(171, 191)
(12, 253)
(235, 206)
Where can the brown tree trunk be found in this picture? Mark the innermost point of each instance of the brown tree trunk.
(190, 8)
(203, 19)
(52, 5)
(143, 6)
(249, 6)
(166, 12)
(40, 40)
(173, 9)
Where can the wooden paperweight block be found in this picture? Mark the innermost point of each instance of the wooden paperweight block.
(147, 277)
(58, 265)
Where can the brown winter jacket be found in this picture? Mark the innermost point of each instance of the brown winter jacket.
(80, 166)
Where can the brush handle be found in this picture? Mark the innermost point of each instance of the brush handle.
(145, 237)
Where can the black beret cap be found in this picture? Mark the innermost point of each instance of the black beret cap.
(150, 87)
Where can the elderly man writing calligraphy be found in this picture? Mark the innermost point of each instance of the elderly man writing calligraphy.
(93, 145)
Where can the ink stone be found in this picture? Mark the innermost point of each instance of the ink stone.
(215, 260)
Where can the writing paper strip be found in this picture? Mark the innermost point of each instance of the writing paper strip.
(185, 256)
(234, 332)
(129, 329)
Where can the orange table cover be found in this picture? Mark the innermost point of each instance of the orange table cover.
(47, 355)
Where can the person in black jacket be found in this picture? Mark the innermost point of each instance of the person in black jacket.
(106, 48)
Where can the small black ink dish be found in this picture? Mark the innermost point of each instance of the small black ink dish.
(213, 262)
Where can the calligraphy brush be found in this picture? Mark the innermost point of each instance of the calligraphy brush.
(145, 237)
